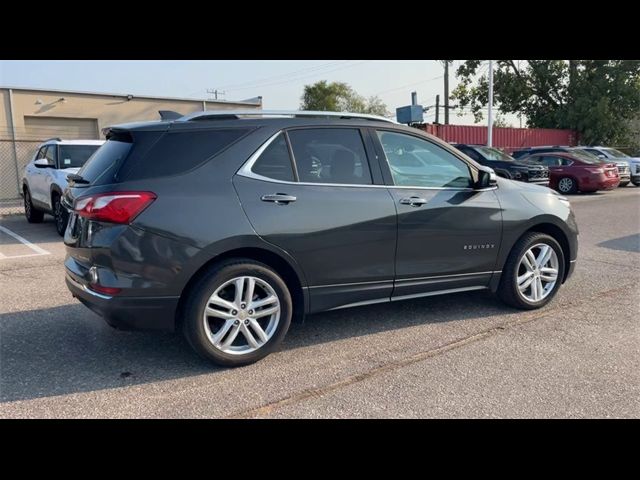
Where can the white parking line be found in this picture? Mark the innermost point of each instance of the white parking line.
(24, 241)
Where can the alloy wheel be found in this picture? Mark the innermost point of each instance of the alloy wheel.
(565, 185)
(241, 315)
(537, 272)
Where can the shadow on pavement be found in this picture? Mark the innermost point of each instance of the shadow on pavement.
(630, 243)
(68, 349)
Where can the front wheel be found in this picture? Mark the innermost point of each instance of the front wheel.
(238, 313)
(636, 182)
(623, 184)
(33, 215)
(533, 272)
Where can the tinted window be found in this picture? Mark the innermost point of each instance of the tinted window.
(178, 152)
(75, 156)
(275, 161)
(551, 161)
(470, 152)
(595, 152)
(418, 163)
(101, 167)
(493, 154)
(41, 153)
(330, 155)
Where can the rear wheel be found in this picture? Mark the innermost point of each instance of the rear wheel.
(567, 185)
(60, 215)
(33, 215)
(533, 272)
(238, 313)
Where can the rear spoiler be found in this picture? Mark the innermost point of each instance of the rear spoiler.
(169, 115)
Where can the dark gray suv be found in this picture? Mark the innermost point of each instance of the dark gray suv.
(228, 225)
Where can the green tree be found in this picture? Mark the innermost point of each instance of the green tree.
(597, 98)
(339, 97)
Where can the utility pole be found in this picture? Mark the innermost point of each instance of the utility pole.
(490, 115)
(446, 92)
(437, 109)
(215, 93)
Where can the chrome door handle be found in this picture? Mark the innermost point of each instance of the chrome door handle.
(279, 198)
(413, 201)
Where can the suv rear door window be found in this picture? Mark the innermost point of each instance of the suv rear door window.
(275, 161)
(330, 155)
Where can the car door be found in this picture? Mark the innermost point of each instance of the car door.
(38, 183)
(448, 232)
(313, 193)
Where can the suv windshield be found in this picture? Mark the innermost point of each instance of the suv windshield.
(75, 156)
(615, 153)
(493, 154)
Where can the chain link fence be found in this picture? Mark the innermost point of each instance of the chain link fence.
(14, 156)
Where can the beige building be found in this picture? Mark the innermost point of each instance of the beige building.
(34, 114)
(30, 115)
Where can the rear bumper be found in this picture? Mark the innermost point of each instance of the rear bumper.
(126, 313)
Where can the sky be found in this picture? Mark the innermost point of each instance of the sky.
(279, 82)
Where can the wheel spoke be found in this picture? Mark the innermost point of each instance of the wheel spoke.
(534, 290)
(544, 256)
(529, 260)
(221, 302)
(539, 288)
(526, 284)
(265, 312)
(239, 283)
(264, 302)
(249, 336)
(231, 337)
(251, 283)
(212, 312)
(524, 277)
(259, 331)
(219, 335)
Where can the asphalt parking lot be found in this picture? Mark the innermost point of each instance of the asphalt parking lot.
(460, 355)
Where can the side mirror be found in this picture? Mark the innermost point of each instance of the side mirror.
(486, 178)
(42, 163)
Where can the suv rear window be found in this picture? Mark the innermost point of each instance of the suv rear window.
(179, 152)
(102, 165)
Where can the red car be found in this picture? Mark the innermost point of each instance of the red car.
(577, 171)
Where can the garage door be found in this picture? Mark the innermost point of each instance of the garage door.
(41, 128)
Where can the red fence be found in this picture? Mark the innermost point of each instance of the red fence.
(506, 138)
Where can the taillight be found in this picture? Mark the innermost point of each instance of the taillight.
(114, 207)
(105, 290)
(595, 170)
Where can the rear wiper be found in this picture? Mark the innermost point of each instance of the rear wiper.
(74, 177)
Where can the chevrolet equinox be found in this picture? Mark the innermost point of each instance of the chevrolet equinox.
(227, 225)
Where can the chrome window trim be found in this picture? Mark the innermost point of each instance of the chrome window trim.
(246, 171)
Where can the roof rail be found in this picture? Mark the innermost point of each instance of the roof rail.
(57, 139)
(234, 114)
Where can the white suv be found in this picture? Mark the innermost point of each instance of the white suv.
(45, 177)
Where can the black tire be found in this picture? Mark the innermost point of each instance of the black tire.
(59, 214)
(197, 299)
(32, 214)
(572, 185)
(508, 289)
(637, 184)
(623, 184)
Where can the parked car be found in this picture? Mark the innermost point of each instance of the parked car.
(613, 155)
(505, 165)
(577, 171)
(45, 177)
(623, 166)
(226, 225)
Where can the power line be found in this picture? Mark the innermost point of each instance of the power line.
(301, 77)
(288, 74)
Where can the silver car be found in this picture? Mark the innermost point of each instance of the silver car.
(45, 177)
(607, 153)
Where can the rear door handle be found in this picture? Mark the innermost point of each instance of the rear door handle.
(279, 198)
(413, 201)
